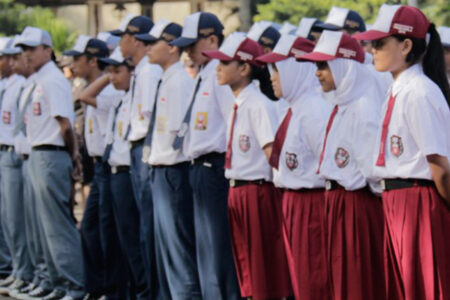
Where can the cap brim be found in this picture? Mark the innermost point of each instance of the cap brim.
(109, 61)
(117, 32)
(315, 56)
(217, 55)
(370, 35)
(27, 44)
(72, 53)
(271, 58)
(145, 37)
(182, 42)
(11, 51)
(325, 26)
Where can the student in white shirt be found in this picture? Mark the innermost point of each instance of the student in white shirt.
(169, 178)
(23, 148)
(205, 143)
(86, 53)
(12, 204)
(295, 155)
(444, 33)
(412, 153)
(254, 206)
(142, 88)
(308, 29)
(54, 150)
(354, 216)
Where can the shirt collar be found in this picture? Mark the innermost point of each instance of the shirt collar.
(405, 77)
(45, 68)
(141, 64)
(245, 93)
(173, 69)
(11, 80)
(209, 68)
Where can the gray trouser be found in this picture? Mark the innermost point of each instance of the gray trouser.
(51, 179)
(33, 230)
(12, 215)
(5, 257)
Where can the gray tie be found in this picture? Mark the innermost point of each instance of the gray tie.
(20, 120)
(149, 137)
(133, 88)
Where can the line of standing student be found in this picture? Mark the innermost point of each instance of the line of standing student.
(207, 188)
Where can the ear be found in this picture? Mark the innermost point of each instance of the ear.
(267, 50)
(406, 47)
(245, 70)
(213, 40)
(174, 49)
(93, 61)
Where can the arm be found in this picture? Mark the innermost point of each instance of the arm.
(68, 136)
(268, 150)
(90, 93)
(440, 170)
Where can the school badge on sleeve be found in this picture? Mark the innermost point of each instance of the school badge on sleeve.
(244, 142)
(291, 161)
(341, 157)
(396, 145)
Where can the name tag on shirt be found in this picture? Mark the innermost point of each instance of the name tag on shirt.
(90, 126)
(141, 115)
(120, 128)
(6, 116)
(161, 124)
(37, 108)
(201, 120)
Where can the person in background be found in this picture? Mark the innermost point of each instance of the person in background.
(444, 33)
(308, 28)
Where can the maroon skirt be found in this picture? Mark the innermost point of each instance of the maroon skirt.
(303, 216)
(417, 244)
(354, 231)
(254, 213)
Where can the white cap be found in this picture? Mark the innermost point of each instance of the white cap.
(10, 49)
(111, 41)
(81, 43)
(5, 42)
(304, 27)
(125, 21)
(158, 29)
(444, 33)
(33, 37)
(337, 16)
(258, 29)
(287, 28)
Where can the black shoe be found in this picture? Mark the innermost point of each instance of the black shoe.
(27, 289)
(39, 292)
(55, 295)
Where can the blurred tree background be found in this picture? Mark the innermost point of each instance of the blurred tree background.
(15, 17)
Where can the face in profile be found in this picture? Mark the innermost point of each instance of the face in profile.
(325, 76)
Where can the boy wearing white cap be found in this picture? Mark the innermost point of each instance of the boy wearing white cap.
(205, 143)
(49, 130)
(172, 194)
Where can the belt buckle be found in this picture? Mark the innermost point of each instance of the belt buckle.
(383, 184)
(328, 185)
(232, 182)
(10, 148)
(114, 170)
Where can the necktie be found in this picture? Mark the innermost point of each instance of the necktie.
(387, 118)
(330, 123)
(20, 120)
(280, 137)
(187, 118)
(230, 141)
(133, 88)
(149, 137)
(108, 148)
(2, 93)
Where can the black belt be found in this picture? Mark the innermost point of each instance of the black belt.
(135, 144)
(238, 183)
(207, 158)
(304, 190)
(332, 185)
(6, 148)
(25, 156)
(395, 184)
(120, 169)
(97, 159)
(50, 148)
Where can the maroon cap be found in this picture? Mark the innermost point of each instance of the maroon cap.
(288, 46)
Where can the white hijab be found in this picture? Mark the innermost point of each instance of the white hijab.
(353, 80)
(297, 78)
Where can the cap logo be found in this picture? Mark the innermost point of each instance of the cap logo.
(347, 52)
(168, 37)
(297, 52)
(352, 24)
(244, 56)
(401, 28)
(92, 50)
(206, 31)
(131, 28)
(266, 40)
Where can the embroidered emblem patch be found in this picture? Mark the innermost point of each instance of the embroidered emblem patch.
(341, 157)
(6, 117)
(291, 161)
(396, 145)
(37, 108)
(141, 115)
(244, 142)
(201, 120)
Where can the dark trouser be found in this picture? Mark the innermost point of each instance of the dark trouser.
(5, 257)
(174, 232)
(216, 270)
(127, 219)
(140, 173)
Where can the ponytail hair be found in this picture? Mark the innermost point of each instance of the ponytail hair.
(262, 74)
(432, 57)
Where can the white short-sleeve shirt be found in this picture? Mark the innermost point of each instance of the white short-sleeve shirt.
(96, 119)
(351, 140)
(253, 130)
(419, 126)
(9, 108)
(173, 100)
(119, 116)
(52, 98)
(300, 153)
(210, 112)
(146, 76)
(21, 143)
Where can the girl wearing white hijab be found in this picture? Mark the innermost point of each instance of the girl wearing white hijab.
(354, 216)
(295, 154)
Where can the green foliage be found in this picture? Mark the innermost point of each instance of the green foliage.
(15, 17)
(293, 10)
